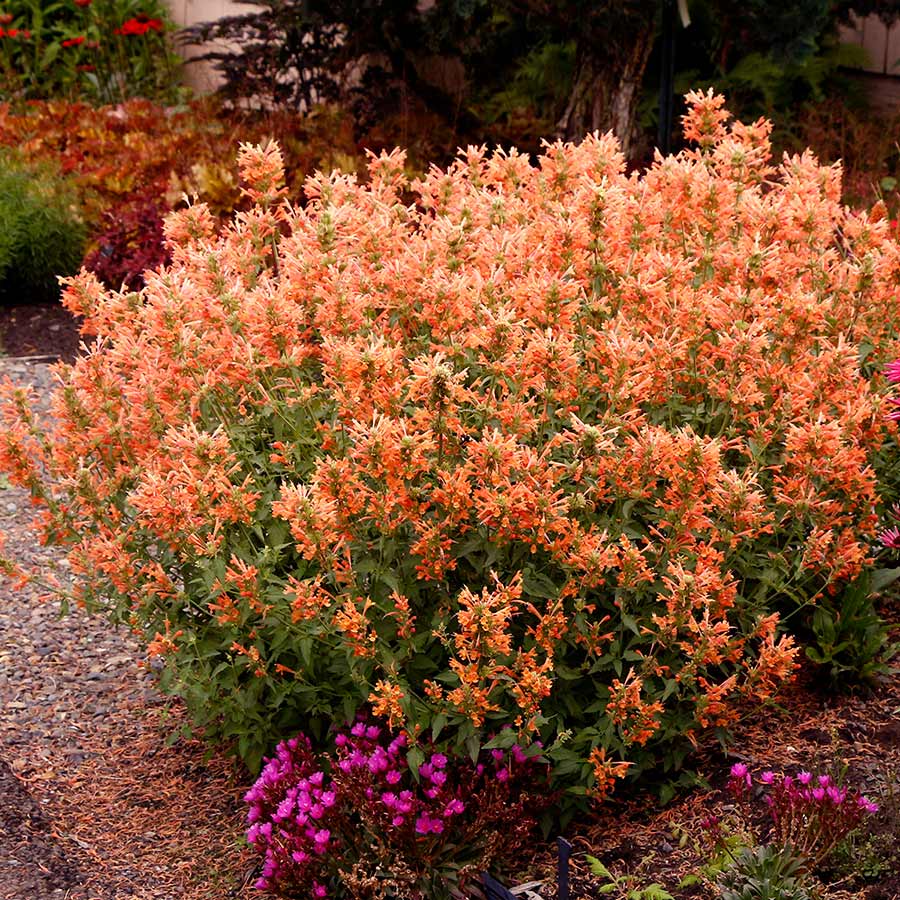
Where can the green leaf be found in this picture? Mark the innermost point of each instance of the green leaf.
(597, 868)
(881, 578)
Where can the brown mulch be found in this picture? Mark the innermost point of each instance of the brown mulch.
(45, 330)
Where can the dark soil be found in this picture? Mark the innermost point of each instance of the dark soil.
(40, 329)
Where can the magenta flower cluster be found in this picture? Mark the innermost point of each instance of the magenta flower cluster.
(310, 815)
(809, 813)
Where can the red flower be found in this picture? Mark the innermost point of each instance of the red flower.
(85, 68)
(83, 3)
(6, 18)
(73, 42)
(132, 26)
(140, 25)
(13, 32)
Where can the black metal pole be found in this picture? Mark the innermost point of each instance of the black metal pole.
(565, 851)
(667, 78)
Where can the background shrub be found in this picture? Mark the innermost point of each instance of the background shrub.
(41, 234)
(533, 445)
(132, 242)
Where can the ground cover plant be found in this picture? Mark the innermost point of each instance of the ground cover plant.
(513, 453)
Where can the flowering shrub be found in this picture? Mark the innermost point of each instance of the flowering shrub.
(548, 446)
(808, 814)
(99, 50)
(363, 819)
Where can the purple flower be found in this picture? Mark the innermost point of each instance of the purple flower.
(804, 777)
(818, 794)
(439, 761)
(393, 776)
(454, 808)
(866, 804)
(892, 371)
(424, 824)
(502, 775)
(739, 770)
(767, 777)
(319, 890)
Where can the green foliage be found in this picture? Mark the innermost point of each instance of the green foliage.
(102, 51)
(626, 887)
(849, 638)
(766, 873)
(41, 236)
(540, 83)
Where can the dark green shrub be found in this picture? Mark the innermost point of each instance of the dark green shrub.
(41, 233)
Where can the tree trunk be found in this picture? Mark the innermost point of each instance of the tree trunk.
(607, 89)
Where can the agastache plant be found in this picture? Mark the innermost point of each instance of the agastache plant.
(328, 824)
(809, 814)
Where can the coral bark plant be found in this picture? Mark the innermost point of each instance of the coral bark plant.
(551, 446)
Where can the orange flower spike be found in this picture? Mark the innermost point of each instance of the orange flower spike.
(386, 701)
(605, 773)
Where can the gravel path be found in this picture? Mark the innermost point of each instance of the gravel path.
(93, 803)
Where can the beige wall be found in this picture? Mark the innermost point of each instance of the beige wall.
(190, 12)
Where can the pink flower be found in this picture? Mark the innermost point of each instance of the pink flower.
(804, 777)
(866, 804)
